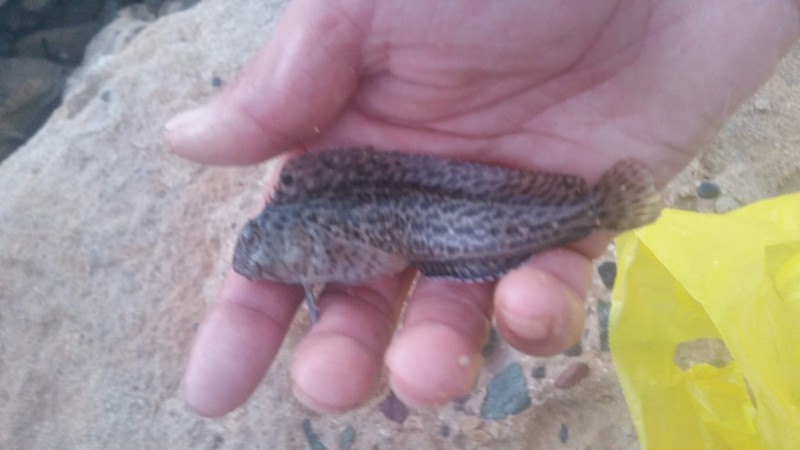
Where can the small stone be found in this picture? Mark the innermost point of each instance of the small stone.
(572, 375)
(707, 190)
(608, 272)
(314, 443)
(347, 438)
(216, 81)
(479, 436)
(563, 433)
(575, 350)
(762, 105)
(394, 409)
(469, 423)
(444, 431)
(603, 311)
(539, 372)
(507, 394)
(105, 96)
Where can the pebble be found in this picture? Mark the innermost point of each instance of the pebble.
(563, 433)
(507, 394)
(572, 375)
(539, 372)
(762, 105)
(444, 431)
(347, 438)
(314, 443)
(603, 311)
(394, 409)
(216, 81)
(469, 423)
(608, 272)
(708, 190)
(479, 436)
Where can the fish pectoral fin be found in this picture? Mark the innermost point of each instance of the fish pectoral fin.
(479, 269)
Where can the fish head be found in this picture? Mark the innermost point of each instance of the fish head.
(269, 248)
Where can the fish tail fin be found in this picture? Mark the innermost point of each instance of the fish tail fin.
(626, 197)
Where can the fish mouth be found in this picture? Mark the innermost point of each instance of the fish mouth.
(246, 247)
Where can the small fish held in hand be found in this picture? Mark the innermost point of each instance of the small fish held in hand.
(351, 215)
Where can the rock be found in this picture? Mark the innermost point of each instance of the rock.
(707, 190)
(762, 105)
(35, 5)
(507, 394)
(539, 372)
(6, 43)
(563, 433)
(63, 45)
(608, 272)
(572, 375)
(394, 409)
(314, 443)
(29, 91)
(347, 438)
(603, 312)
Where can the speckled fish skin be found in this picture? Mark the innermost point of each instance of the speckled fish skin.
(351, 215)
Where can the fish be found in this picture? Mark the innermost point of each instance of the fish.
(354, 214)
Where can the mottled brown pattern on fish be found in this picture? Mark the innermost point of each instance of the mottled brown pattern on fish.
(355, 214)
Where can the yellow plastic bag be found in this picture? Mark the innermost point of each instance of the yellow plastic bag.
(730, 282)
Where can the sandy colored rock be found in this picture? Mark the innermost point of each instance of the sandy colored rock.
(111, 250)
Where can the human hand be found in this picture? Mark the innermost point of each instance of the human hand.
(549, 85)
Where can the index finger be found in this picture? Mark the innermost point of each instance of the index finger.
(237, 342)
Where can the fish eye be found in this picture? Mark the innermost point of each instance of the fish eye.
(288, 180)
(249, 234)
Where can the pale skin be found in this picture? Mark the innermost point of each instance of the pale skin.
(563, 86)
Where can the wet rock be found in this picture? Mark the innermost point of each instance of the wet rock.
(539, 372)
(347, 438)
(394, 409)
(572, 375)
(64, 45)
(608, 272)
(314, 443)
(708, 190)
(603, 312)
(29, 91)
(507, 394)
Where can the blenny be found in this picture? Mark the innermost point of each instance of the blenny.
(351, 215)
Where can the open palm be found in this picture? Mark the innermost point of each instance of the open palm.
(570, 87)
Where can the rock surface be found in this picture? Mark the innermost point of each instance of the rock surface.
(29, 91)
(111, 249)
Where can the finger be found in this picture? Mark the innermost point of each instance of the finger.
(436, 356)
(540, 306)
(296, 86)
(338, 364)
(237, 342)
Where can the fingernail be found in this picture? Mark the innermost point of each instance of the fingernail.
(185, 119)
(533, 329)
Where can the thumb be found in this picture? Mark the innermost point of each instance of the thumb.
(298, 84)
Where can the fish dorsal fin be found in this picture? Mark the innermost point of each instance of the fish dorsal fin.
(470, 270)
(333, 173)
